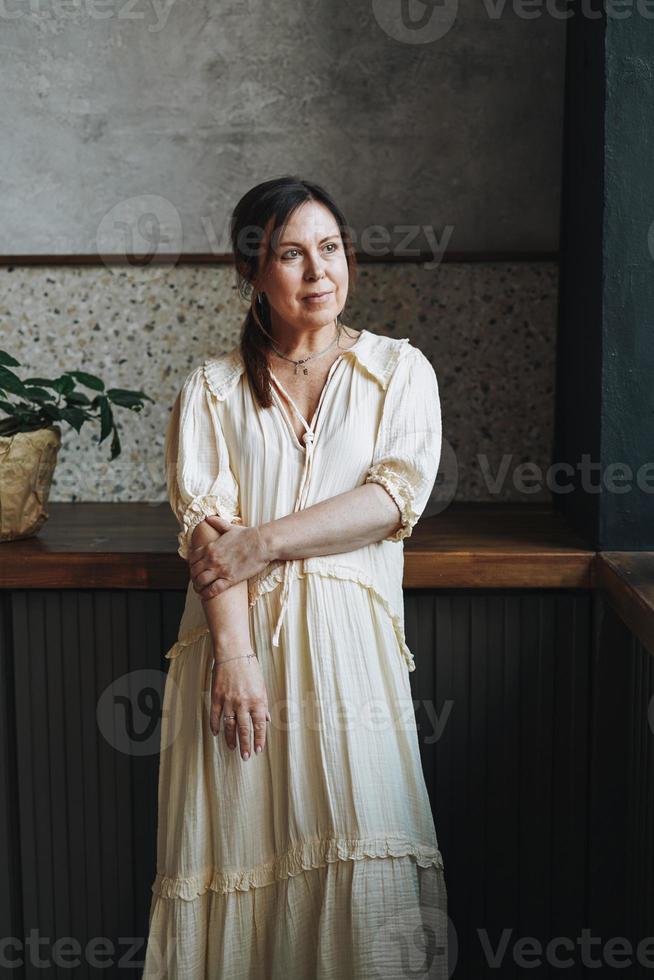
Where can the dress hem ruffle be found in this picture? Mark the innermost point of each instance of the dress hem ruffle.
(305, 856)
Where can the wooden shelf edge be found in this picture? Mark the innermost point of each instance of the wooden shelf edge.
(631, 595)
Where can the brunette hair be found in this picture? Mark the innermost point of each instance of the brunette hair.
(273, 199)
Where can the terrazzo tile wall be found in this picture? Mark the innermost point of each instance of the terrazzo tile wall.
(488, 329)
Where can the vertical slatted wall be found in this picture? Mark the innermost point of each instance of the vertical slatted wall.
(541, 776)
(85, 810)
(535, 735)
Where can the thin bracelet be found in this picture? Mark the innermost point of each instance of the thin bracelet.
(242, 657)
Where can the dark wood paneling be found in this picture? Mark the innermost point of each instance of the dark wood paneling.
(11, 900)
(621, 788)
(508, 777)
(541, 779)
(86, 801)
(626, 579)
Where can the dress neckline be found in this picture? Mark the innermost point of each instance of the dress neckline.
(309, 427)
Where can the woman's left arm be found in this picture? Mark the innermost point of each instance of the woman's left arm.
(385, 507)
(345, 522)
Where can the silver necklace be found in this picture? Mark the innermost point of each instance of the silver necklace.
(303, 360)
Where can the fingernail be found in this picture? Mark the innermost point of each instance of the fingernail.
(258, 749)
(246, 756)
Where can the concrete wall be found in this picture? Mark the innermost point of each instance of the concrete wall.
(111, 108)
(135, 125)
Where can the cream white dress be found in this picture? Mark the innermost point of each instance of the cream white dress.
(318, 859)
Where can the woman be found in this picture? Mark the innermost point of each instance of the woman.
(297, 463)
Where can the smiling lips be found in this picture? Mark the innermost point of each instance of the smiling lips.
(317, 297)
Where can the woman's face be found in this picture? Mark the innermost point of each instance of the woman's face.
(308, 256)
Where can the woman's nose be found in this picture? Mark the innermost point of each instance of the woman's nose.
(316, 268)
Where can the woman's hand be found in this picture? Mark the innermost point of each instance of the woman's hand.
(238, 688)
(237, 554)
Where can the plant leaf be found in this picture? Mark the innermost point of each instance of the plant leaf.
(52, 412)
(115, 444)
(63, 384)
(38, 394)
(21, 413)
(87, 379)
(45, 382)
(11, 382)
(74, 416)
(77, 398)
(127, 398)
(106, 418)
(8, 360)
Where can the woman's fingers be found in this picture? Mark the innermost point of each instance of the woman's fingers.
(229, 724)
(244, 733)
(239, 727)
(237, 555)
(236, 723)
(259, 723)
(241, 712)
(204, 578)
(215, 716)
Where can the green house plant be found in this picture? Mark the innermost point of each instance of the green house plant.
(30, 436)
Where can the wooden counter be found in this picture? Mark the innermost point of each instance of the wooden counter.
(133, 546)
(467, 546)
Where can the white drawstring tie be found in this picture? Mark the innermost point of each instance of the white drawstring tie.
(291, 565)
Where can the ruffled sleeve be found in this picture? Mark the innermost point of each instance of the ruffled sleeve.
(199, 478)
(408, 445)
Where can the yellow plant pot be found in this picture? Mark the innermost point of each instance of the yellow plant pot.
(27, 462)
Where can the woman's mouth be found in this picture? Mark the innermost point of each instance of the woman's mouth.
(316, 299)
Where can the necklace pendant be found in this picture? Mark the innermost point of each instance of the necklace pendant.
(295, 371)
(306, 370)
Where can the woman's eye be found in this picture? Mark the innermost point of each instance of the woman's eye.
(292, 252)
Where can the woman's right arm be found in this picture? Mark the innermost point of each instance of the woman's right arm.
(226, 613)
(237, 687)
(200, 482)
